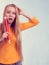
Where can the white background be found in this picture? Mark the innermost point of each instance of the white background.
(35, 41)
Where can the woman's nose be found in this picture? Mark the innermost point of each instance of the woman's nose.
(10, 15)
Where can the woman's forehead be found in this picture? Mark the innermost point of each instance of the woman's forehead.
(11, 8)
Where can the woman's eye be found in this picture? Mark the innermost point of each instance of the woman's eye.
(8, 11)
(11, 12)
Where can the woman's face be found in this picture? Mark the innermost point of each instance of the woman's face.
(10, 13)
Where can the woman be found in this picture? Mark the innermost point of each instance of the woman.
(11, 53)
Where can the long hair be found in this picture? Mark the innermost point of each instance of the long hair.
(16, 27)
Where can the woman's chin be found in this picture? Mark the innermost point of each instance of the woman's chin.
(10, 22)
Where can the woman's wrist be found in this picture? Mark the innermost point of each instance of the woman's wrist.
(1, 39)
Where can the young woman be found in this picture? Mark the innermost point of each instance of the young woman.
(11, 53)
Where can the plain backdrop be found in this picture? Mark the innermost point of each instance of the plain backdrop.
(35, 41)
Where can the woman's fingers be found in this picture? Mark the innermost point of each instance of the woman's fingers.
(19, 10)
(5, 35)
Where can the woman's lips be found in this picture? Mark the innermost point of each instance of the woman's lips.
(10, 18)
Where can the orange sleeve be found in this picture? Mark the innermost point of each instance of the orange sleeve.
(29, 24)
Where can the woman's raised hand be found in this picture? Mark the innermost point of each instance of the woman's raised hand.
(20, 11)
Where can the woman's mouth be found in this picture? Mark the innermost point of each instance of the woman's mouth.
(10, 18)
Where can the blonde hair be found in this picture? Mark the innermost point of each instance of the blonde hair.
(15, 25)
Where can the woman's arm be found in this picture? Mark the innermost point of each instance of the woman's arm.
(1, 38)
(3, 35)
(32, 21)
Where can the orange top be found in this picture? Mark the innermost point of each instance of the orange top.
(8, 51)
